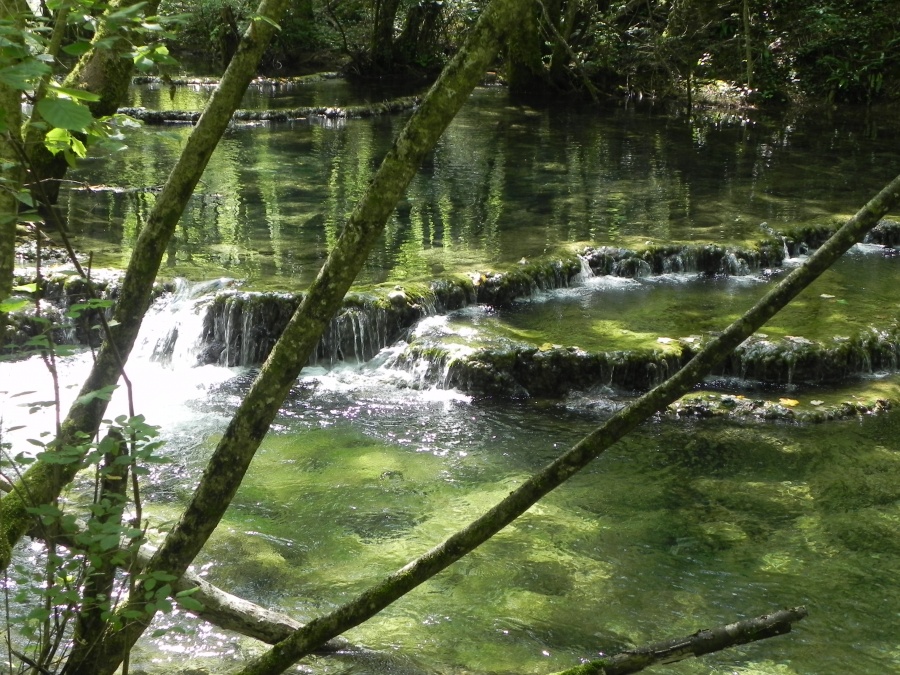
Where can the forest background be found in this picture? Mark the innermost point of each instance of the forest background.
(771, 51)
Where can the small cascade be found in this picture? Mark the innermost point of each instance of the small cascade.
(632, 268)
(735, 266)
(708, 260)
(170, 334)
(886, 233)
(584, 272)
(240, 328)
(796, 360)
(678, 262)
(357, 333)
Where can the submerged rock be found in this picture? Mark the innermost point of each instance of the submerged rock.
(705, 406)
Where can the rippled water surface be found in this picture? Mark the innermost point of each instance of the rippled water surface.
(683, 525)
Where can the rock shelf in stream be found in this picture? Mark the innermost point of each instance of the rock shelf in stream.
(288, 115)
(239, 328)
(214, 81)
(519, 370)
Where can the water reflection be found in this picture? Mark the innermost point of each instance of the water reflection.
(680, 526)
(505, 182)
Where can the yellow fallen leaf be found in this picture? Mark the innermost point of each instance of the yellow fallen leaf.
(788, 402)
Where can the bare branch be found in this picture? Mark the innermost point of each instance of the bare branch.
(702, 642)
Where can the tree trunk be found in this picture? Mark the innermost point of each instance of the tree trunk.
(420, 32)
(748, 48)
(101, 574)
(42, 483)
(11, 174)
(381, 48)
(524, 69)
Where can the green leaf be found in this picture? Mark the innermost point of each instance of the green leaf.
(190, 604)
(65, 114)
(109, 542)
(78, 94)
(78, 148)
(77, 48)
(26, 288)
(127, 13)
(24, 196)
(265, 19)
(23, 75)
(105, 393)
(58, 457)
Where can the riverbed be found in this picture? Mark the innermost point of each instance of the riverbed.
(686, 524)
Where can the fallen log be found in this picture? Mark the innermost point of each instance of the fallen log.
(700, 643)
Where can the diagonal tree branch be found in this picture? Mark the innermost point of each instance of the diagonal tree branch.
(702, 642)
(396, 585)
(229, 462)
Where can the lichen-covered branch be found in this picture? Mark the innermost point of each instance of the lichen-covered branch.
(702, 642)
(564, 467)
(11, 174)
(43, 482)
(229, 462)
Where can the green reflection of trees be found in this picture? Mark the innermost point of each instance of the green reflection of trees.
(508, 181)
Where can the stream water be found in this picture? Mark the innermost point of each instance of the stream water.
(684, 525)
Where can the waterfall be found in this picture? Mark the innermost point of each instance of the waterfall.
(585, 272)
(171, 331)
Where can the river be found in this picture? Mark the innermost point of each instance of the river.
(687, 524)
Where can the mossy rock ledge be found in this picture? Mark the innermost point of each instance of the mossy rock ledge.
(311, 114)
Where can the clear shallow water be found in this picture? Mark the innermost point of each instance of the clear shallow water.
(507, 181)
(680, 527)
(608, 313)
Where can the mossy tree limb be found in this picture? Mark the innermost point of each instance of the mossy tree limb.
(702, 642)
(225, 469)
(396, 585)
(42, 483)
(11, 174)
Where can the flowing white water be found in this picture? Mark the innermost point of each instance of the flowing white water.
(166, 383)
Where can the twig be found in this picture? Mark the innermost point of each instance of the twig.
(700, 643)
